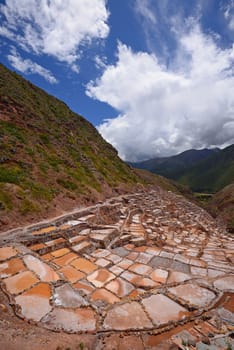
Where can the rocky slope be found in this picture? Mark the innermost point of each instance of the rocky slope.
(51, 159)
(222, 206)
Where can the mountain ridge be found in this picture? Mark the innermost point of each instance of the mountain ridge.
(175, 166)
(213, 173)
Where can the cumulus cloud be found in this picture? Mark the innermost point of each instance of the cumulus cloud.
(163, 111)
(57, 28)
(29, 67)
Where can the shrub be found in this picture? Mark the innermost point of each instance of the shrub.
(28, 207)
(69, 185)
(12, 175)
(5, 200)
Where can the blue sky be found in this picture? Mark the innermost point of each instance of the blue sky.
(155, 77)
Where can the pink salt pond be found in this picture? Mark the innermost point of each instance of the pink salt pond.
(11, 267)
(66, 296)
(127, 316)
(7, 252)
(105, 296)
(161, 309)
(159, 275)
(100, 277)
(225, 283)
(35, 303)
(120, 287)
(193, 294)
(141, 269)
(177, 277)
(20, 282)
(43, 270)
(78, 320)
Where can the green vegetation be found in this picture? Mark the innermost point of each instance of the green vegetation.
(12, 131)
(212, 174)
(45, 140)
(81, 346)
(201, 170)
(176, 166)
(28, 207)
(38, 192)
(231, 224)
(69, 185)
(229, 346)
(5, 199)
(203, 198)
(11, 174)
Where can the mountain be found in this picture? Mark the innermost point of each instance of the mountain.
(175, 166)
(207, 170)
(51, 159)
(211, 174)
(222, 206)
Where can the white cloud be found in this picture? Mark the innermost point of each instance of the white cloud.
(57, 28)
(229, 14)
(100, 62)
(29, 67)
(164, 111)
(143, 8)
(148, 16)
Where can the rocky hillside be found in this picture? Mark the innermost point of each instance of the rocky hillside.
(222, 206)
(52, 159)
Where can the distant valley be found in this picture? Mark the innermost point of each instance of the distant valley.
(206, 171)
(175, 166)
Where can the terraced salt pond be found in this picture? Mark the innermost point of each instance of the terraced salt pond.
(161, 264)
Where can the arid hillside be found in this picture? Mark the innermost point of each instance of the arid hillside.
(222, 206)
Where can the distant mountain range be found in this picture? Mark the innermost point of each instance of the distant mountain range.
(202, 170)
(213, 173)
(175, 166)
